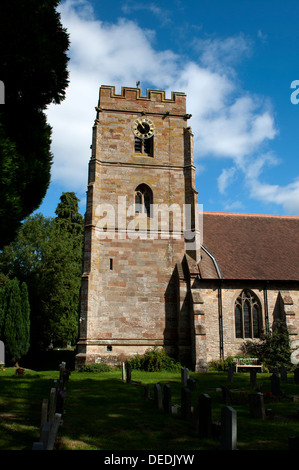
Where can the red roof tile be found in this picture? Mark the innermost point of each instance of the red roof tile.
(248, 246)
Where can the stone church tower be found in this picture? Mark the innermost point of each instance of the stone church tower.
(141, 226)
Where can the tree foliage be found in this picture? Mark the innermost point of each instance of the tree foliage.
(273, 349)
(15, 319)
(33, 67)
(47, 254)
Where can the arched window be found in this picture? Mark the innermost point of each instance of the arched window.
(143, 200)
(248, 319)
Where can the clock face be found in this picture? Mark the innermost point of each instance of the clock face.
(143, 128)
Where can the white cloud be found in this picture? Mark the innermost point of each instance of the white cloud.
(226, 178)
(286, 196)
(226, 121)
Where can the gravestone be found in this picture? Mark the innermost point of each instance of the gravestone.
(184, 376)
(256, 405)
(228, 428)
(44, 435)
(147, 394)
(44, 412)
(52, 405)
(158, 396)
(167, 398)
(123, 372)
(230, 375)
(204, 416)
(191, 384)
(129, 373)
(253, 378)
(283, 374)
(186, 403)
(275, 384)
(226, 395)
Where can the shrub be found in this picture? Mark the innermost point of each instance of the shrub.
(154, 360)
(222, 364)
(273, 350)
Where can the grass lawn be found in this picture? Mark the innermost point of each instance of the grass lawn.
(104, 413)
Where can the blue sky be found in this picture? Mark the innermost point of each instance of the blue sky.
(235, 60)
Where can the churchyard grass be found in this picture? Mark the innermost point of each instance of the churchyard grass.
(104, 412)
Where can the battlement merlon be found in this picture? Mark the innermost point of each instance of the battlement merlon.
(131, 101)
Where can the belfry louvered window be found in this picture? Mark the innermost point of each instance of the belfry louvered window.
(145, 146)
(248, 320)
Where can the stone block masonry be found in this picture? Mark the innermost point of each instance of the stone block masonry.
(129, 294)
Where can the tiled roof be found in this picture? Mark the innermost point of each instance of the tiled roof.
(247, 246)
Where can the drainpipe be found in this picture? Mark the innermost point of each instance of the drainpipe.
(220, 316)
(266, 308)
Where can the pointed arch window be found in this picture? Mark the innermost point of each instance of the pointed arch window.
(248, 319)
(143, 200)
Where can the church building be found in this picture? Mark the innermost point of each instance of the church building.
(157, 270)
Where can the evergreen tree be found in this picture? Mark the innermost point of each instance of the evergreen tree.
(33, 67)
(16, 322)
(47, 255)
(62, 271)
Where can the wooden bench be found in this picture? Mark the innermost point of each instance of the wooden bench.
(247, 363)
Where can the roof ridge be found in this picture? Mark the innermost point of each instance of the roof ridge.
(252, 215)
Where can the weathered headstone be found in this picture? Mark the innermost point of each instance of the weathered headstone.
(275, 384)
(184, 376)
(256, 405)
(158, 396)
(191, 384)
(129, 373)
(228, 428)
(44, 435)
(186, 403)
(252, 378)
(52, 405)
(283, 374)
(123, 371)
(53, 431)
(226, 395)
(204, 416)
(147, 394)
(44, 412)
(167, 398)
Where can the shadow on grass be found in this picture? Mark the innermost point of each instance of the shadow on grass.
(110, 414)
(104, 413)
